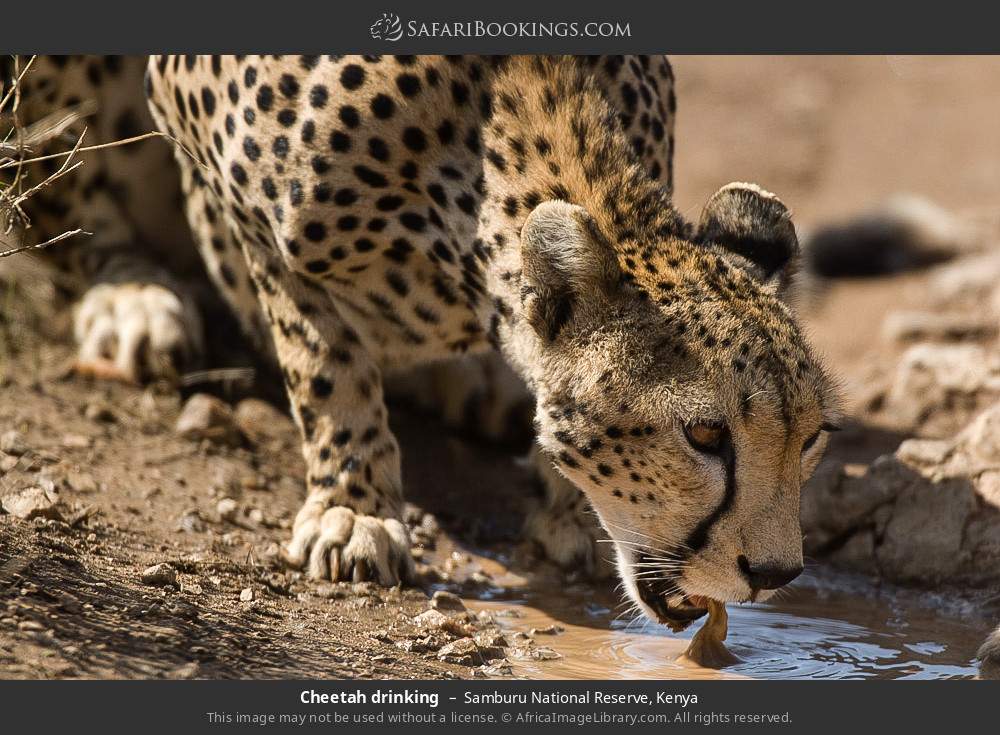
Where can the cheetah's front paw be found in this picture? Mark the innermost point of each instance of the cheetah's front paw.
(338, 544)
(136, 331)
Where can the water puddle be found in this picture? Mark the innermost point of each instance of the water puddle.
(822, 628)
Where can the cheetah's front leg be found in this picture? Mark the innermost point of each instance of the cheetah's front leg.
(349, 527)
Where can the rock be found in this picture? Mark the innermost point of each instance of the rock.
(444, 600)
(228, 509)
(412, 646)
(924, 452)
(12, 442)
(430, 619)
(926, 515)
(75, 441)
(547, 630)
(464, 652)
(185, 671)
(260, 421)
(82, 482)
(32, 502)
(190, 522)
(922, 540)
(206, 417)
(936, 389)
(533, 653)
(247, 594)
(490, 639)
(912, 326)
(980, 440)
(159, 575)
(988, 487)
(969, 281)
(8, 462)
(499, 669)
(99, 411)
(191, 588)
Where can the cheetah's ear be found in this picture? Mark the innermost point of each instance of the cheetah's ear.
(566, 263)
(754, 225)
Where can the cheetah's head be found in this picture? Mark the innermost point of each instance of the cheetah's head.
(678, 393)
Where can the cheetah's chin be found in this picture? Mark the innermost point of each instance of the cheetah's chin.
(676, 611)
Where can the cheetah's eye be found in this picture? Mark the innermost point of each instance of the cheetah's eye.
(811, 441)
(705, 437)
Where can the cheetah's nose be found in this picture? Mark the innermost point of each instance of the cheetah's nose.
(767, 576)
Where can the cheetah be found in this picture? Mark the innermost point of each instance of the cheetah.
(374, 213)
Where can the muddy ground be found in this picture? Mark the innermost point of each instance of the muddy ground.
(119, 490)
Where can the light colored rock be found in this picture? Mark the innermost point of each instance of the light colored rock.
(431, 619)
(159, 575)
(533, 653)
(490, 639)
(206, 417)
(444, 600)
(552, 629)
(981, 439)
(463, 651)
(970, 280)
(247, 594)
(75, 441)
(82, 482)
(924, 452)
(988, 487)
(32, 502)
(259, 420)
(912, 326)
(931, 379)
(228, 509)
(495, 670)
(12, 442)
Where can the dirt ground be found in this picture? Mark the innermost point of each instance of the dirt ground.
(832, 136)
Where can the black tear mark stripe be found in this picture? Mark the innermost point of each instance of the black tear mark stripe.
(698, 538)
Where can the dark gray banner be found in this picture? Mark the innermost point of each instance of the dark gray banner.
(496, 706)
(517, 26)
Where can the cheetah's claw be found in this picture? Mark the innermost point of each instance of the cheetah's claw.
(340, 545)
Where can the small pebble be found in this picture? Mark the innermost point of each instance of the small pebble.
(99, 412)
(228, 509)
(207, 417)
(159, 575)
(444, 600)
(12, 442)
